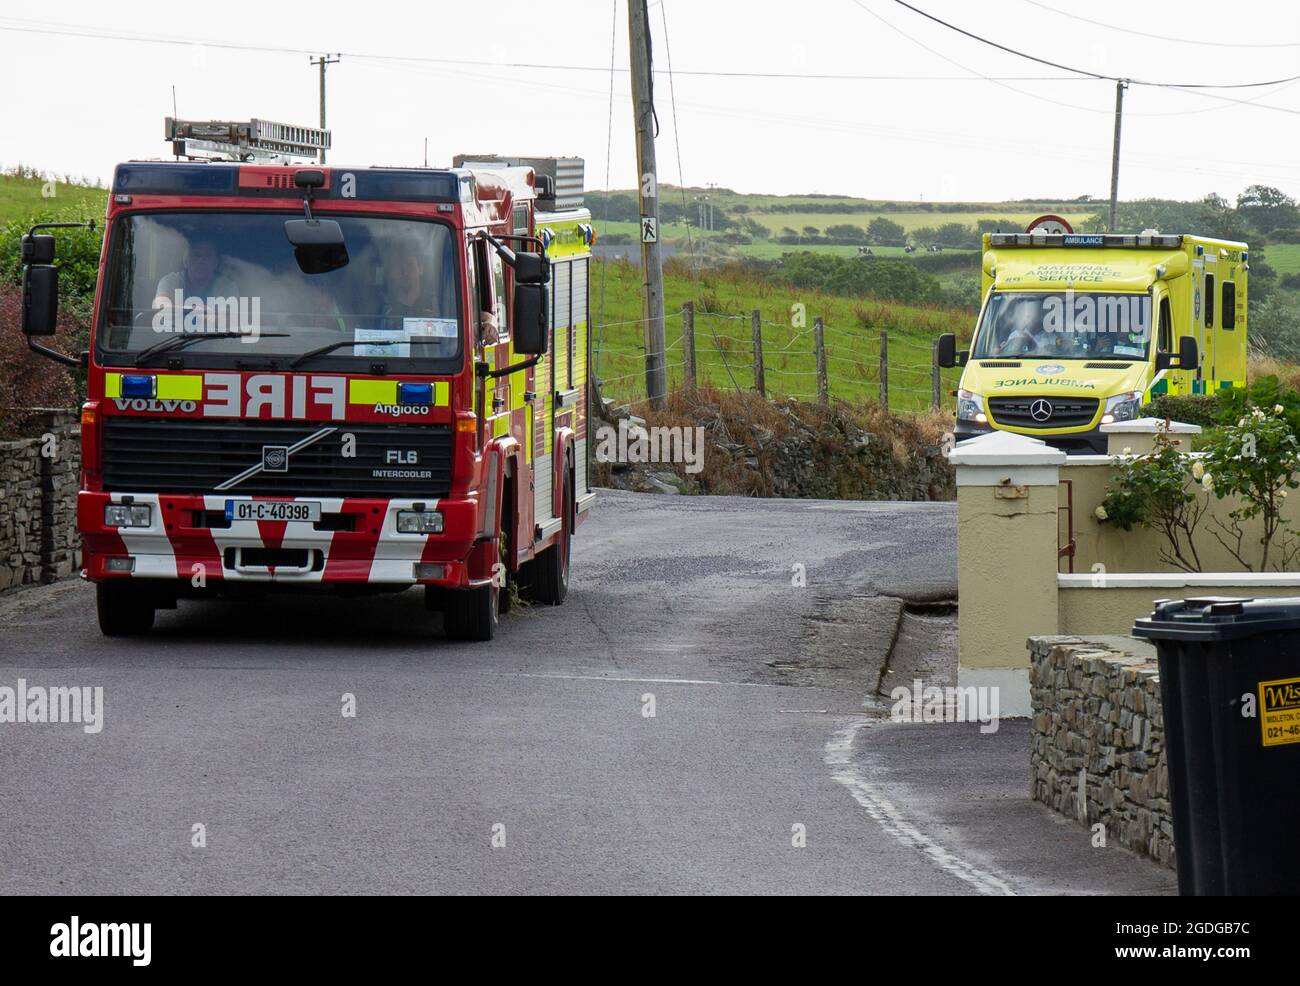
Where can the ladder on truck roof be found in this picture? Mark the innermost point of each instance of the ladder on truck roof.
(258, 141)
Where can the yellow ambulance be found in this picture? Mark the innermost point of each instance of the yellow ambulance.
(1077, 330)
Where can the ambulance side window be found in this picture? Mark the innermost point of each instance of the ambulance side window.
(1229, 304)
(1209, 301)
(1166, 342)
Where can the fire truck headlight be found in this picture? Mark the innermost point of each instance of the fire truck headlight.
(419, 522)
(128, 515)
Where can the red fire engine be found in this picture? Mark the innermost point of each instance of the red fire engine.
(323, 378)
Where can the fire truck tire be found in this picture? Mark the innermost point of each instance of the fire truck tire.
(124, 609)
(471, 614)
(549, 571)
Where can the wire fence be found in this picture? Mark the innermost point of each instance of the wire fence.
(806, 359)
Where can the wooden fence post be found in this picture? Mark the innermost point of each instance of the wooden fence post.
(760, 379)
(884, 370)
(819, 341)
(688, 344)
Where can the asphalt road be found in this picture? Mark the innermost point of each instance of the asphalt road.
(230, 717)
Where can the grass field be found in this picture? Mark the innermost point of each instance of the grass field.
(1283, 258)
(724, 343)
(23, 197)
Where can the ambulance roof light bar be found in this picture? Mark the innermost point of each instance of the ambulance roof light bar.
(1145, 239)
(254, 141)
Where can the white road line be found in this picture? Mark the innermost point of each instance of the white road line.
(839, 757)
(646, 681)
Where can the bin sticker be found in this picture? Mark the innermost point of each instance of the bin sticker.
(1279, 703)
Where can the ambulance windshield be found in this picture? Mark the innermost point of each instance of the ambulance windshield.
(1064, 325)
(231, 277)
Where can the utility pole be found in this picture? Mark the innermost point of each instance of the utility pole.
(322, 62)
(1120, 86)
(652, 270)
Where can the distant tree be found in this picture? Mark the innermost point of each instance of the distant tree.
(886, 232)
(1266, 208)
(812, 232)
(846, 233)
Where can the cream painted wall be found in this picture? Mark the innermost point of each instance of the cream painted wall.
(1138, 550)
(1092, 610)
(1006, 571)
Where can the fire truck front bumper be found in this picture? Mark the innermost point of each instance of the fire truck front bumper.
(297, 540)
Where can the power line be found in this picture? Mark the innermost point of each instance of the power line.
(1165, 37)
(1097, 78)
(1087, 72)
(23, 25)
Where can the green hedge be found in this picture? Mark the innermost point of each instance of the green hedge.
(1192, 409)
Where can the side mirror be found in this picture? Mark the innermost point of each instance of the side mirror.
(38, 248)
(947, 355)
(532, 268)
(532, 304)
(40, 299)
(318, 244)
(1188, 355)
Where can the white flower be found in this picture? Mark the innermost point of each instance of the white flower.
(1278, 409)
(1258, 413)
(1100, 513)
(1282, 494)
(1198, 469)
(1128, 450)
(1241, 423)
(1208, 482)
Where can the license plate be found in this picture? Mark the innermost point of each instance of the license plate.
(272, 510)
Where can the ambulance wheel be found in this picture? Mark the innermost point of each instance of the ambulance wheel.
(549, 572)
(472, 614)
(124, 609)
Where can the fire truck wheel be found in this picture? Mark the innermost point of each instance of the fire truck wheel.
(549, 574)
(471, 614)
(124, 609)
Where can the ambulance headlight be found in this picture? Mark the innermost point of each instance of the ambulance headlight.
(419, 522)
(1122, 407)
(970, 407)
(128, 515)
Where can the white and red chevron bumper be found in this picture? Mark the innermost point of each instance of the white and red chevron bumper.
(356, 541)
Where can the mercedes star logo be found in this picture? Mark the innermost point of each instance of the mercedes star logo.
(1040, 410)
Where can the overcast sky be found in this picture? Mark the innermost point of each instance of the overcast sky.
(78, 104)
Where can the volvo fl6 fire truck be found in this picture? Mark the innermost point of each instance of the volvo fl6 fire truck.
(332, 379)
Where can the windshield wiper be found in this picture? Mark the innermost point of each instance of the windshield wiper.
(297, 361)
(181, 341)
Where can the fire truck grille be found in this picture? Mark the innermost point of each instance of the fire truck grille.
(164, 455)
(1043, 412)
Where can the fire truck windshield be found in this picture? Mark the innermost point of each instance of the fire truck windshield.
(1064, 325)
(231, 279)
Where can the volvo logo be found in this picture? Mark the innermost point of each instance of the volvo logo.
(275, 458)
(1040, 410)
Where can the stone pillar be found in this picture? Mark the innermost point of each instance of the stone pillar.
(1139, 435)
(1007, 539)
